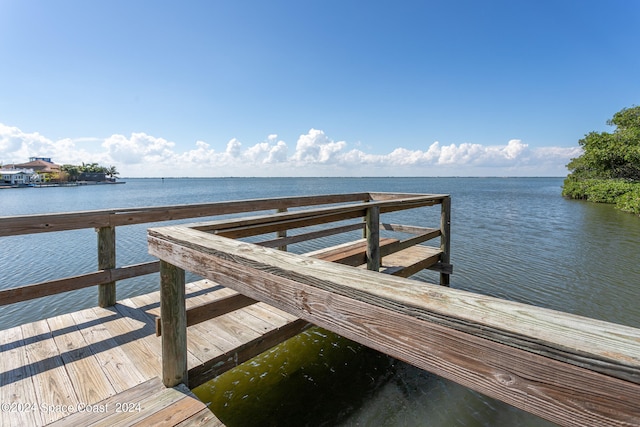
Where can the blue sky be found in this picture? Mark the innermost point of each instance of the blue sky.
(320, 88)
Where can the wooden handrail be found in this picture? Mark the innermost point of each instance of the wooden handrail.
(67, 284)
(569, 369)
(43, 223)
(324, 209)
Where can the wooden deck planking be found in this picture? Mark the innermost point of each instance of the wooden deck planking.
(136, 335)
(411, 260)
(96, 354)
(115, 363)
(76, 358)
(84, 370)
(159, 406)
(51, 381)
(230, 334)
(15, 379)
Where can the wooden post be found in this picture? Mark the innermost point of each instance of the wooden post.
(106, 260)
(372, 230)
(445, 238)
(282, 233)
(173, 317)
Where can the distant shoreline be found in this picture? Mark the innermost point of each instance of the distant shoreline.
(61, 184)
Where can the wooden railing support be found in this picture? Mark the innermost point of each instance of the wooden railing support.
(372, 230)
(445, 238)
(339, 207)
(282, 233)
(571, 370)
(106, 260)
(174, 325)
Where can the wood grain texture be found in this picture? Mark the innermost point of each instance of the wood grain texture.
(372, 231)
(569, 369)
(17, 384)
(304, 237)
(52, 287)
(445, 240)
(84, 370)
(43, 223)
(174, 324)
(51, 382)
(106, 260)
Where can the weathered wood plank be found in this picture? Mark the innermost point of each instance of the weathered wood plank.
(261, 224)
(275, 317)
(106, 260)
(132, 335)
(133, 395)
(304, 237)
(115, 363)
(16, 386)
(162, 415)
(593, 337)
(43, 223)
(410, 229)
(255, 226)
(529, 357)
(174, 325)
(212, 309)
(28, 224)
(445, 240)
(146, 308)
(85, 371)
(282, 234)
(203, 418)
(52, 287)
(411, 260)
(409, 242)
(380, 196)
(372, 232)
(212, 338)
(52, 385)
(350, 253)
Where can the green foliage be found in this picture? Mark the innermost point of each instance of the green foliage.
(598, 190)
(608, 171)
(630, 201)
(611, 155)
(74, 171)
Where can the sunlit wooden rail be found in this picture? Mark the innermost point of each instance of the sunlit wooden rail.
(97, 357)
(105, 222)
(569, 369)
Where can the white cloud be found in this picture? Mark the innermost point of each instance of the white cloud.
(277, 153)
(233, 148)
(17, 146)
(316, 147)
(140, 148)
(315, 154)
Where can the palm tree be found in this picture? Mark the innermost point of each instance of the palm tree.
(111, 172)
(72, 171)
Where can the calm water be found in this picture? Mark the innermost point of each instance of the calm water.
(513, 238)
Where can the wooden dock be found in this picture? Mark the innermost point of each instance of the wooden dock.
(569, 369)
(109, 360)
(106, 365)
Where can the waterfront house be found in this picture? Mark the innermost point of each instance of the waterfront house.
(42, 166)
(17, 177)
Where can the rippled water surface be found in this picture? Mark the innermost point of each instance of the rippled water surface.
(513, 238)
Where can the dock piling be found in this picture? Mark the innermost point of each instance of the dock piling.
(174, 325)
(106, 260)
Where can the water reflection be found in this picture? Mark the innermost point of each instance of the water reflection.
(321, 379)
(315, 378)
